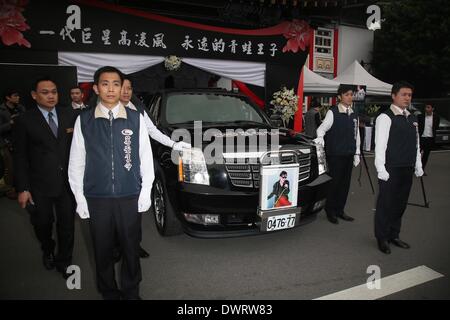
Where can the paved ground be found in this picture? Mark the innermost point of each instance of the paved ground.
(303, 263)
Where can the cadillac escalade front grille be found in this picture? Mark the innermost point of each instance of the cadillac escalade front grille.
(244, 172)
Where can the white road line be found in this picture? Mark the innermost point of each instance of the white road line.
(388, 285)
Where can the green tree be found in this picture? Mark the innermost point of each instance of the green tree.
(414, 45)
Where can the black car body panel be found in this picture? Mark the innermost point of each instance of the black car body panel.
(233, 190)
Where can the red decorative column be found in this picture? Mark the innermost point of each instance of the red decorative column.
(298, 117)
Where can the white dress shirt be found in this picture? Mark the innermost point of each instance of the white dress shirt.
(327, 123)
(77, 106)
(153, 131)
(77, 160)
(382, 127)
(45, 113)
(428, 127)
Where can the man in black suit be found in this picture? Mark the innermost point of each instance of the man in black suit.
(42, 139)
(428, 124)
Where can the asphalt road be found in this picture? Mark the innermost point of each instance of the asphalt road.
(302, 263)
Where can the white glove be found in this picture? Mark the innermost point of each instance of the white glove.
(383, 175)
(145, 200)
(320, 141)
(82, 206)
(418, 172)
(356, 160)
(179, 146)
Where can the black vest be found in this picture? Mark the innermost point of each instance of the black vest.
(340, 140)
(402, 143)
(112, 155)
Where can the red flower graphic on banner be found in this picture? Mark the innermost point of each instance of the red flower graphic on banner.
(12, 22)
(298, 33)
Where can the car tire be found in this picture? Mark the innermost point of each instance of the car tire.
(166, 220)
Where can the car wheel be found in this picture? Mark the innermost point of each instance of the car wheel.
(165, 217)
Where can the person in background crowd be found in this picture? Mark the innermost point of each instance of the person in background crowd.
(10, 109)
(339, 133)
(428, 124)
(312, 118)
(397, 157)
(77, 96)
(41, 139)
(111, 175)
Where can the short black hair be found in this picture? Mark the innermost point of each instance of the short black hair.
(41, 79)
(283, 173)
(315, 103)
(9, 92)
(126, 77)
(107, 69)
(76, 87)
(343, 88)
(400, 85)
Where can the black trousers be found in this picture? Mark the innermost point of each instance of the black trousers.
(426, 145)
(42, 216)
(340, 169)
(391, 203)
(112, 219)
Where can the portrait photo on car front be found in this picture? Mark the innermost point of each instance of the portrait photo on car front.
(279, 188)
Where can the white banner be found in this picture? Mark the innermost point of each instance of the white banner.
(88, 63)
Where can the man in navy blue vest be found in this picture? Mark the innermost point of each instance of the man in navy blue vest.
(126, 95)
(111, 176)
(340, 135)
(397, 157)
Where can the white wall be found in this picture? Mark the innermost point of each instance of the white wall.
(354, 44)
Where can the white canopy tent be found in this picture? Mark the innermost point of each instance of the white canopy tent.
(355, 74)
(314, 83)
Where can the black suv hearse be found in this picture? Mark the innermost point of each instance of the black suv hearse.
(238, 193)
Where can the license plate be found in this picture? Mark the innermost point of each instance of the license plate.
(445, 138)
(284, 221)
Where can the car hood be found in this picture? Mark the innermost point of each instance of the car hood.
(249, 138)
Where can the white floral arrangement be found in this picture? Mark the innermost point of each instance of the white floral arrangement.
(172, 63)
(285, 102)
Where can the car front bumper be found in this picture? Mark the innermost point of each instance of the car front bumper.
(238, 210)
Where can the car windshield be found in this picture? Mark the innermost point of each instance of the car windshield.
(183, 108)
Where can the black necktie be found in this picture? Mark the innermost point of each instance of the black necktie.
(111, 117)
(52, 124)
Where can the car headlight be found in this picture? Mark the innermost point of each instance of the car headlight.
(192, 167)
(321, 159)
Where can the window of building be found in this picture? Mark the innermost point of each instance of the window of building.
(323, 41)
